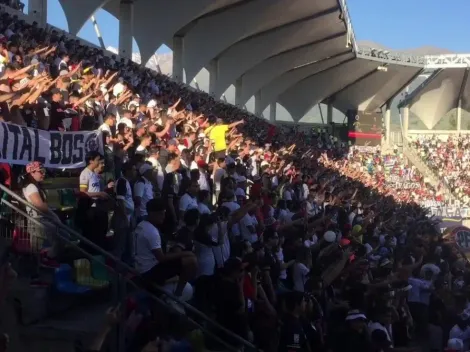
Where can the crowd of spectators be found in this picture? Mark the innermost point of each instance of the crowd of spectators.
(391, 174)
(293, 242)
(450, 160)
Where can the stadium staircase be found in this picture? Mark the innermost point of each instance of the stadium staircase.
(68, 309)
(412, 155)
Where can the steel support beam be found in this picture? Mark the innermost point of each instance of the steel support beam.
(405, 121)
(386, 56)
(447, 61)
(258, 109)
(329, 112)
(387, 122)
(37, 9)
(126, 28)
(238, 92)
(411, 97)
(213, 76)
(426, 61)
(351, 37)
(459, 101)
(178, 68)
(272, 112)
(403, 87)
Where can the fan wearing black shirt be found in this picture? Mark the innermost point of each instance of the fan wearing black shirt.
(229, 300)
(57, 111)
(292, 336)
(185, 235)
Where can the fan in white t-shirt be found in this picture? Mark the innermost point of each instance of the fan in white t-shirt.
(152, 263)
(90, 182)
(301, 268)
(189, 200)
(248, 228)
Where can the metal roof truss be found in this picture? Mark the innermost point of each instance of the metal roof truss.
(447, 61)
(426, 61)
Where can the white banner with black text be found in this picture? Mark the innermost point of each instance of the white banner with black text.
(64, 150)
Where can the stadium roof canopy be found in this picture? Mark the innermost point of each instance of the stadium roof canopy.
(295, 52)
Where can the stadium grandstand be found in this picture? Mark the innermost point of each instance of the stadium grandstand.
(203, 209)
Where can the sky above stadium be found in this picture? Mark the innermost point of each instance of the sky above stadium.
(397, 24)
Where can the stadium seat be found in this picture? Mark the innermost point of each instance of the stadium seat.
(53, 199)
(84, 277)
(68, 198)
(21, 242)
(63, 281)
(98, 268)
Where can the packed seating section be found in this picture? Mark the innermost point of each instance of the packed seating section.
(291, 240)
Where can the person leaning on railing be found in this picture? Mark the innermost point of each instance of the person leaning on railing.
(34, 194)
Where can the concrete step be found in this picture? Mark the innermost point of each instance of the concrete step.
(62, 333)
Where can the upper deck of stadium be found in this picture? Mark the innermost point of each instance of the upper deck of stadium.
(294, 53)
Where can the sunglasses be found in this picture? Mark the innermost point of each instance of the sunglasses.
(41, 171)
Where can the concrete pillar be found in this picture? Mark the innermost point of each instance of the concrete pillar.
(405, 120)
(272, 112)
(37, 9)
(238, 92)
(329, 113)
(126, 28)
(178, 50)
(213, 76)
(459, 115)
(387, 124)
(258, 111)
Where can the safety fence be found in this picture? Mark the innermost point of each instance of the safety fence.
(29, 233)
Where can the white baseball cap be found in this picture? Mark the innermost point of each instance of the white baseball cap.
(329, 236)
(454, 345)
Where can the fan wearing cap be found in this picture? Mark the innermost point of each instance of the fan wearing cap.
(156, 266)
(454, 345)
(203, 179)
(380, 329)
(354, 336)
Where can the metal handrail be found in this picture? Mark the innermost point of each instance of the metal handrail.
(129, 269)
